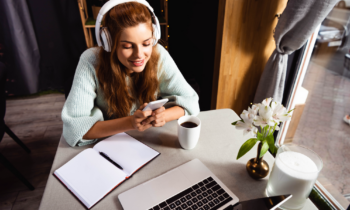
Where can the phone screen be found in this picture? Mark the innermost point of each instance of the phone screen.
(155, 104)
(268, 203)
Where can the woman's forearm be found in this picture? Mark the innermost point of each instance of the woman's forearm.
(173, 113)
(109, 127)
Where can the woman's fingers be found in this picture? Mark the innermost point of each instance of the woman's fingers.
(159, 120)
(141, 127)
(145, 127)
(143, 106)
(149, 120)
(157, 114)
(158, 123)
(142, 114)
(158, 111)
(138, 118)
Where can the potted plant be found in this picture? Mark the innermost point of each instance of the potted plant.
(266, 115)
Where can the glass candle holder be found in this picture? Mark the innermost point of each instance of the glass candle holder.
(295, 172)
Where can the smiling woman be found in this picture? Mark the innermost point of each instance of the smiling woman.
(111, 87)
(130, 27)
(134, 52)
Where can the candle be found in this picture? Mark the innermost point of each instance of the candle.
(293, 173)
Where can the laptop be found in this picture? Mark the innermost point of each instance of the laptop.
(189, 186)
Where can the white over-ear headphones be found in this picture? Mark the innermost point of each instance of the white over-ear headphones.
(107, 41)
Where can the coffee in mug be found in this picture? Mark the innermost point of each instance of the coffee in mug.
(188, 131)
(189, 124)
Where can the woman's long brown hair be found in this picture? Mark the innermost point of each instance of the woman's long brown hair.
(111, 73)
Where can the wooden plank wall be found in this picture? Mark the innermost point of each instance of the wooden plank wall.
(245, 31)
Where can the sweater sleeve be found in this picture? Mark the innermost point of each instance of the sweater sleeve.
(79, 112)
(174, 86)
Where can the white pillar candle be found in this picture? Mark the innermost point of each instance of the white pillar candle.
(293, 173)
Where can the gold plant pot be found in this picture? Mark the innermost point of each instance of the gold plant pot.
(257, 167)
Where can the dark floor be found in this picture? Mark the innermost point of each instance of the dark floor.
(37, 122)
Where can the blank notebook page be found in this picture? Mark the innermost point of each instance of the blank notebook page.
(89, 176)
(126, 151)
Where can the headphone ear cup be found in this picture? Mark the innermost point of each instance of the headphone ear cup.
(155, 34)
(106, 39)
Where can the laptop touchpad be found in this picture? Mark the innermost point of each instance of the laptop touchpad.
(168, 185)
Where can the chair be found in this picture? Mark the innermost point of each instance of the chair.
(4, 128)
(88, 23)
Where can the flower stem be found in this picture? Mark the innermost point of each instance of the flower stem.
(258, 159)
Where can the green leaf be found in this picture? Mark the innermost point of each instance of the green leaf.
(246, 147)
(291, 110)
(234, 123)
(264, 149)
(273, 129)
(271, 142)
(265, 129)
(260, 136)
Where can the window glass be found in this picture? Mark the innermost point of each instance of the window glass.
(318, 121)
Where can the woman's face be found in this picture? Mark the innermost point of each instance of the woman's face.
(135, 47)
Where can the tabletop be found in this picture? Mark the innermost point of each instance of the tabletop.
(217, 148)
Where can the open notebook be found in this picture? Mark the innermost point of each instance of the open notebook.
(90, 176)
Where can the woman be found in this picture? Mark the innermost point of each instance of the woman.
(110, 89)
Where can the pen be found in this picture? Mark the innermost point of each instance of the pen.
(110, 160)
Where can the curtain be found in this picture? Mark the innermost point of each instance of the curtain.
(42, 43)
(20, 42)
(61, 41)
(298, 21)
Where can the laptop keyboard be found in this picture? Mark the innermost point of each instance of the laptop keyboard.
(204, 195)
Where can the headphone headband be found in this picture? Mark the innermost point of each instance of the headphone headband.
(112, 3)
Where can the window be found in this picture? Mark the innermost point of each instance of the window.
(320, 92)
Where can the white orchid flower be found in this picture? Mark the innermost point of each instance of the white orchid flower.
(266, 101)
(280, 113)
(247, 116)
(265, 116)
(248, 128)
(254, 110)
(268, 114)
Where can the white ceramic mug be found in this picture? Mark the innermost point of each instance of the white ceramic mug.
(188, 137)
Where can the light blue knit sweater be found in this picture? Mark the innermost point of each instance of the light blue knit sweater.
(85, 104)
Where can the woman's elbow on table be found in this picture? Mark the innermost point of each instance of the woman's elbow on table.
(74, 139)
(193, 107)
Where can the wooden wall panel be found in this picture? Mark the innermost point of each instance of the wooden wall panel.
(245, 30)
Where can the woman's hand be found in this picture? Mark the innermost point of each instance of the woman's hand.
(158, 118)
(139, 117)
(161, 116)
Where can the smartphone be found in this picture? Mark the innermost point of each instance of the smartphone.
(155, 104)
(268, 203)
